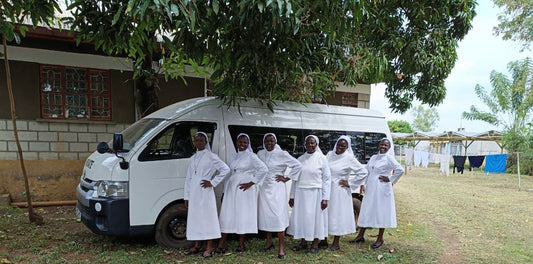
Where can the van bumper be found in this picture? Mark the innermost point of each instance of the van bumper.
(106, 216)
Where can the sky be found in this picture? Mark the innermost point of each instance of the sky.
(479, 53)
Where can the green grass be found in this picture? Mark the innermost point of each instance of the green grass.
(463, 218)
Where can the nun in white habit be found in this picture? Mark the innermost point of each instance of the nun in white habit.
(342, 164)
(309, 198)
(238, 213)
(206, 170)
(378, 208)
(273, 210)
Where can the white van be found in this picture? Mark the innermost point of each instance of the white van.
(136, 188)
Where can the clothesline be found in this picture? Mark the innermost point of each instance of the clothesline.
(494, 163)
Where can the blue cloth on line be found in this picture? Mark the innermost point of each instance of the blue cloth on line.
(495, 163)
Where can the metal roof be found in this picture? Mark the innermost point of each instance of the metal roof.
(490, 135)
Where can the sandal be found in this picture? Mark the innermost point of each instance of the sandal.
(220, 250)
(193, 250)
(265, 249)
(377, 244)
(313, 250)
(299, 247)
(208, 255)
(360, 240)
(334, 248)
(240, 249)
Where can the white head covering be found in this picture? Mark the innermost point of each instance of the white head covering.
(207, 146)
(275, 139)
(348, 149)
(317, 143)
(249, 142)
(390, 146)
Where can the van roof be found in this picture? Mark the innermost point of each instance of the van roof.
(177, 109)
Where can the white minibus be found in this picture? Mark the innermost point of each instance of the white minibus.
(135, 186)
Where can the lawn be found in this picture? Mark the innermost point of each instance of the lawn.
(461, 218)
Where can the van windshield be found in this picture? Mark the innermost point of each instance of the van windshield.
(138, 130)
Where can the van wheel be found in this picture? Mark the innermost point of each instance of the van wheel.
(171, 227)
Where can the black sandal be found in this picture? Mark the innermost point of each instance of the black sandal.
(265, 249)
(299, 247)
(360, 240)
(240, 249)
(313, 250)
(220, 250)
(193, 250)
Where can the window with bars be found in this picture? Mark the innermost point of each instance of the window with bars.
(75, 93)
(349, 99)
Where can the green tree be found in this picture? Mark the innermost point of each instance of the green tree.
(510, 102)
(287, 49)
(425, 119)
(12, 13)
(516, 22)
(400, 126)
(510, 105)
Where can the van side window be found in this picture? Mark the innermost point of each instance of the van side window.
(364, 144)
(288, 139)
(176, 141)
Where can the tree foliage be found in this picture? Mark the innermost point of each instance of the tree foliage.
(287, 49)
(510, 105)
(400, 126)
(13, 12)
(510, 102)
(516, 21)
(425, 119)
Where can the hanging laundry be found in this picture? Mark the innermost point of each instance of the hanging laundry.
(475, 161)
(424, 159)
(417, 158)
(445, 164)
(496, 163)
(459, 163)
(434, 158)
(409, 157)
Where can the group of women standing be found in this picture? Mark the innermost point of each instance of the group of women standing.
(255, 196)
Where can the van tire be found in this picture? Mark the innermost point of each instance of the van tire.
(171, 227)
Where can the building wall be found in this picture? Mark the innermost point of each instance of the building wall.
(55, 150)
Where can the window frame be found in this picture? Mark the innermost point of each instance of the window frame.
(147, 153)
(345, 99)
(63, 93)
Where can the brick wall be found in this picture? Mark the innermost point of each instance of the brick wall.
(54, 154)
(44, 140)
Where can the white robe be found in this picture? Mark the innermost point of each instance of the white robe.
(202, 214)
(273, 208)
(341, 219)
(308, 220)
(378, 209)
(238, 213)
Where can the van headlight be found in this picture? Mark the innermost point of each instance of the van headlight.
(117, 189)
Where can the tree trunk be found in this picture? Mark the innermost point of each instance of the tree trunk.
(34, 218)
(147, 88)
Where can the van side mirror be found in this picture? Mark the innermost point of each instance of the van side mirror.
(118, 145)
(102, 147)
(118, 142)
